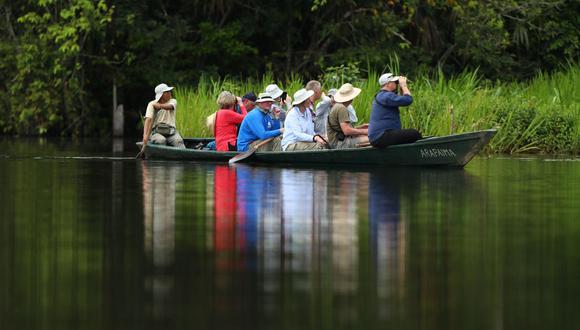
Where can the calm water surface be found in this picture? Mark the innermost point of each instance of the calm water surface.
(93, 239)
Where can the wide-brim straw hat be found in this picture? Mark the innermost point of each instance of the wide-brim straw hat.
(386, 78)
(264, 97)
(346, 93)
(302, 95)
(160, 89)
(274, 91)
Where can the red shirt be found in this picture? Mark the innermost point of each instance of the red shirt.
(226, 129)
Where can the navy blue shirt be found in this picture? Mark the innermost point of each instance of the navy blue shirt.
(385, 113)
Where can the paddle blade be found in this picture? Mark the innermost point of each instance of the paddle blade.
(242, 156)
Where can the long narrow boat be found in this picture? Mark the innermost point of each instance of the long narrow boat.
(451, 150)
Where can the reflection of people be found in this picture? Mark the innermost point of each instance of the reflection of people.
(258, 126)
(159, 231)
(224, 208)
(385, 124)
(159, 211)
(159, 124)
(341, 131)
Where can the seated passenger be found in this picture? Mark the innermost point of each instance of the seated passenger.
(322, 111)
(227, 121)
(340, 129)
(258, 126)
(316, 87)
(249, 101)
(281, 101)
(385, 124)
(299, 131)
(159, 124)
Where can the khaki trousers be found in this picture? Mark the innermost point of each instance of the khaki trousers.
(305, 146)
(274, 145)
(174, 140)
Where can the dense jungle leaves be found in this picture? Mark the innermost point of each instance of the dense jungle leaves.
(59, 59)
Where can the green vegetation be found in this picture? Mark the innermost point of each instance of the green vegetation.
(60, 59)
(538, 116)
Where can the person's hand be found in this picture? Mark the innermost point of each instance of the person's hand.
(282, 130)
(157, 106)
(239, 100)
(364, 126)
(319, 139)
(403, 81)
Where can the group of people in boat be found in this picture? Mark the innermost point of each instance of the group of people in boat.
(272, 121)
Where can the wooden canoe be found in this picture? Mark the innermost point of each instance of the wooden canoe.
(451, 150)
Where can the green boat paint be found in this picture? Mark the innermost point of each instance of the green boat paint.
(451, 150)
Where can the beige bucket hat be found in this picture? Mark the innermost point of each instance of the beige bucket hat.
(346, 93)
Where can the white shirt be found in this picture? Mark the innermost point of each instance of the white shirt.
(299, 127)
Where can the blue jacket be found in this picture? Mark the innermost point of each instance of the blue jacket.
(385, 113)
(257, 125)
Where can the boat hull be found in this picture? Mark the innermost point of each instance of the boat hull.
(452, 150)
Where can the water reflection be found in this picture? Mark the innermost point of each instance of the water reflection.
(159, 187)
(299, 230)
(156, 245)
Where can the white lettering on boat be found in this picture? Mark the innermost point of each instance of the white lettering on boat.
(436, 152)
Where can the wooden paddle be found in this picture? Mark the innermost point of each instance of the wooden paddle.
(250, 152)
(141, 153)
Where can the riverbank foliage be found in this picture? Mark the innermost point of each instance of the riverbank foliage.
(60, 59)
(541, 115)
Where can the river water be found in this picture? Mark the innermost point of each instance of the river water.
(91, 238)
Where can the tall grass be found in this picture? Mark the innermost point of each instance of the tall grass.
(542, 115)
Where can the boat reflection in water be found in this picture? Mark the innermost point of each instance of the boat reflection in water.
(282, 242)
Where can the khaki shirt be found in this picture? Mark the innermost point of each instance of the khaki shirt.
(338, 114)
(162, 116)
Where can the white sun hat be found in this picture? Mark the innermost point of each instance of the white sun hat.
(274, 91)
(387, 77)
(346, 93)
(160, 89)
(332, 92)
(264, 97)
(302, 95)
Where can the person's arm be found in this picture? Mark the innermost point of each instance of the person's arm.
(403, 85)
(394, 100)
(232, 117)
(258, 129)
(169, 105)
(350, 131)
(148, 124)
(323, 107)
(147, 130)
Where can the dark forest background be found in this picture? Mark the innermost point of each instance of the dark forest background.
(60, 59)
